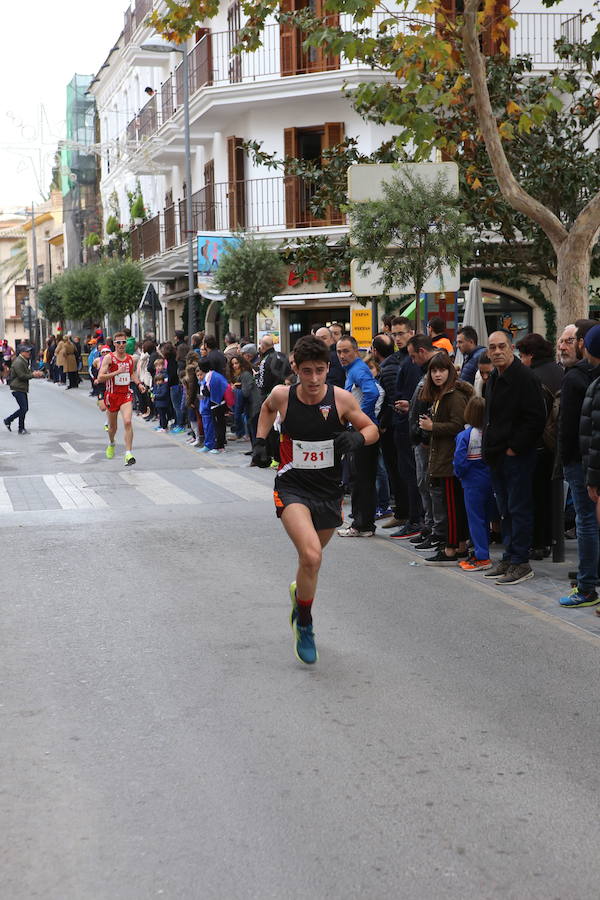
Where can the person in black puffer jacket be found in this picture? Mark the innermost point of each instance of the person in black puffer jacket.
(538, 354)
(589, 432)
(578, 376)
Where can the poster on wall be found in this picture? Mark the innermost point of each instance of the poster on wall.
(210, 250)
(268, 324)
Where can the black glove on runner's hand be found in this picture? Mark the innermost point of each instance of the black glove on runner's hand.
(260, 457)
(348, 441)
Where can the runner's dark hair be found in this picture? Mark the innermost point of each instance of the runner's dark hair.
(311, 349)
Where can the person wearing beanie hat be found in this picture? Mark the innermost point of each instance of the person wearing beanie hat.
(515, 416)
(591, 342)
(589, 432)
(579, 375)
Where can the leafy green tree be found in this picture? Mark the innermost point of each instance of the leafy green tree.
(440, 94)
(121, 288)
(80, 291)
(14, 267)
(421, 221)
(250, 273)
(50, 300)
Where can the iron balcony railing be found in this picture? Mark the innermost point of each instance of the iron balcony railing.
(211, 62)
(260, 204)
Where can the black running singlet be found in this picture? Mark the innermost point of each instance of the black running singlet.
(306, 435)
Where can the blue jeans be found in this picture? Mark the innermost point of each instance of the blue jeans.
(382, 485)
(588, 546)
(175, 392)
(238, 413)
(511, 481)
(21, 412)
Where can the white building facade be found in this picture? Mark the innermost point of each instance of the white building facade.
(288, 99)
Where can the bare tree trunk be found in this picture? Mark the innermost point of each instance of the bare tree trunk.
(573, 248)
(572, 283)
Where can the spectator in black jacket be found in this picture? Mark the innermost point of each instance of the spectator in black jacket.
(384, 354)
(578, 376)
(336, 375)
(402, 329)
(216, 358)
(421, 351)
(514, 423)
(589, 432)
(538, 354)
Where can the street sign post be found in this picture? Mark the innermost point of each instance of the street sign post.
(361, 326)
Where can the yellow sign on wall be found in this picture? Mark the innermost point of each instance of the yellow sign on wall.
(361, 326)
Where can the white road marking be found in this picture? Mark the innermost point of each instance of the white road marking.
(237, 484)
(73, 454)
(157, 489)
(55, 487)
(5, 501)
(80, 493)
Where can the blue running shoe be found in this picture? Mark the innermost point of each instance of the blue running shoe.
(304, 644)
(294, 612)
(578, 598)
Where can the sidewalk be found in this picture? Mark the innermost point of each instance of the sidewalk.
(551, 581)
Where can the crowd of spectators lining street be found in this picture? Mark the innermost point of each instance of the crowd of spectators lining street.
(468, 452)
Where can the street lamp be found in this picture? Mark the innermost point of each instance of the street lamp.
(164, 47)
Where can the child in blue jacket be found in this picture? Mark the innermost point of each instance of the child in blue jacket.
(162, 399)
(476, 482)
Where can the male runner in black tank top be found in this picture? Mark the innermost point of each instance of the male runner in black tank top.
(308, 490)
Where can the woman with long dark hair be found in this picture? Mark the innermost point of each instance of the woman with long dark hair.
(447, 398)
(242, 379)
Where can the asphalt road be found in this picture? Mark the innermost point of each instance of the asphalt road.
(159, 739)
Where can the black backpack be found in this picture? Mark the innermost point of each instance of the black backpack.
(280, 367)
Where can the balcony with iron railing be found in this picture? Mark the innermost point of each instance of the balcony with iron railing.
(211, 63)
(259, 205)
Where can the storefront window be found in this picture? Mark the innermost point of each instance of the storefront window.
(503, 311)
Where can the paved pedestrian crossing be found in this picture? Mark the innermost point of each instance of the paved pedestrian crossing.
(129, 489)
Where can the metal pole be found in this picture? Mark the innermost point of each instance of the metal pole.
(188, 198)
(34, 324)
(374, 316)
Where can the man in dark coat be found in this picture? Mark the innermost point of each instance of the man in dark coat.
(579, 373)
(336, 375)
(515, 416)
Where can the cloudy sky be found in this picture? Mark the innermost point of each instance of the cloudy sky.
(60, 39)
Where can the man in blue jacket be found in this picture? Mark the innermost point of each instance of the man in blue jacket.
(360, 382)
(466, 342)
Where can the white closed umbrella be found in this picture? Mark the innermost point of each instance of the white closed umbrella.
(474, 315)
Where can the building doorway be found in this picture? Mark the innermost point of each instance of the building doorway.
(300, 322)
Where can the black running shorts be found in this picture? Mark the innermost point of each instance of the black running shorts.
(325, 513)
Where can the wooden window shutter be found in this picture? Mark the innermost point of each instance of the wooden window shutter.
(288, 41)
(492, 39)
(333, 134)
(290, 182)
(206, 215)
(328, 61)
(236, 188)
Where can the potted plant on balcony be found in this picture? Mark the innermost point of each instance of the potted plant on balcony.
(112, 225)
(138, 210)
